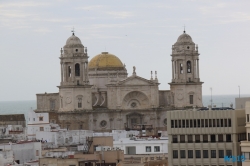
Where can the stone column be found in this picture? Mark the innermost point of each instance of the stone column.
(65, 72)
(81, 72)
(61, 72)
(198, 68)
(73, 72)
(177, 69)
(87, 73)
(172, 69)
(194, 68)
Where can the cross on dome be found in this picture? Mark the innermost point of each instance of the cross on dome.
(73, 31)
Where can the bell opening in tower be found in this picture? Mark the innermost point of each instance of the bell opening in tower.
(77, 69)
(188, 67)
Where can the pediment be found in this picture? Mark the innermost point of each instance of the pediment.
(135, 80)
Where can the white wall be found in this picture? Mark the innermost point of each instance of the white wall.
(141, 145)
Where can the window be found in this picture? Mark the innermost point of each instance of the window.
(77, 69)
(181, 68)
(175, 139)
(205, 138)
(202, 123)
(68, 126)
(229, 122)
(183, 154)
(247, 117)
(197, 153)
(199, 122)
(187, 123)
(190, 153)
(214, 125)
(52, 104)
(205, 153)
(221, 153)
(37, 153)
(212, 138)
(182, 138)
(80, 127)
(228, 138)
(191, 123)
(183, 123)
(172, 123)
(40, 118)
(34, 119)
(148, 148)
(225, 122)
(221, 123)
(41, 129)
(213, 153)
(197, 138)
(248, 136)
(194, 122)
(104, 123)
(179, 123)
(156, 148)
(220, 137)
(218, 122)
(191, 97)
(210, 123)
(69, 71)
(190, 138)
(175, 123)
(188, 67)
(228, 152)
(175, 154)
(241, 137)
(79, 102)
(206, 122)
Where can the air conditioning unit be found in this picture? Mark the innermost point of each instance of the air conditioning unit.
(109, 149)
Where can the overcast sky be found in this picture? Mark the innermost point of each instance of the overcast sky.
(140, 32)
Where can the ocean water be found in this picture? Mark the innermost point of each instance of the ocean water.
(23, 107)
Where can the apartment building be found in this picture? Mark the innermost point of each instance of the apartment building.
(245, 145)
(204, 138)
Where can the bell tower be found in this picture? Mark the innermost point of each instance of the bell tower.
(186, 86)
(74, 89)
(74, 63)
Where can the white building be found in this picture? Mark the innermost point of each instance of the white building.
(64, 137)
(147, 145)
(6, 157)
(118, 134)
(37, 122)
(23, 152)
(245, 145)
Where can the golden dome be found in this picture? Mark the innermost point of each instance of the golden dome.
(105, 61)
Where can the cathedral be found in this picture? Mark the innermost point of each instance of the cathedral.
(98, 94)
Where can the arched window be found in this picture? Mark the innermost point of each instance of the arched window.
(188, 67)
(181, 68)
(77, 69)
(79, 102)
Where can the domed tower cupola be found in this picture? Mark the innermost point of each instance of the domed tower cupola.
(74, 62)
(185, 85)
(73, 47)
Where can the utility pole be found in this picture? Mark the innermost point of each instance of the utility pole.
(211, 98)
(239, 91)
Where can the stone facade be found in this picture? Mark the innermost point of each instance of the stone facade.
(98, 95)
